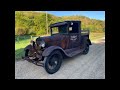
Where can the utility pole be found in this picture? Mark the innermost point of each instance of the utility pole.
(46, 23)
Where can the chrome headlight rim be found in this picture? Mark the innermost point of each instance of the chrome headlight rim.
(42, 43)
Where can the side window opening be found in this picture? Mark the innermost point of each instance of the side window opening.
(55, 30)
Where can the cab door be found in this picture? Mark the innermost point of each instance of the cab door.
(74, 35)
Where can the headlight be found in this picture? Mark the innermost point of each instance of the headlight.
(42, 43)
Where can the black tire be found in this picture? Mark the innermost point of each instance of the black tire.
(86, 49)
(26, 53)
(54, 60)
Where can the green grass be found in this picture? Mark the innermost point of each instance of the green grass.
(19, 48)
(20, 45)
(25, 40)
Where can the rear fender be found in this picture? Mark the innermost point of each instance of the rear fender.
(89, 41)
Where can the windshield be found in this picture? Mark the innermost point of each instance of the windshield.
(59, 30)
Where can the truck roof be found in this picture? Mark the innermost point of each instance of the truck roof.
(58, 24)
(72, 21)
(63, 23)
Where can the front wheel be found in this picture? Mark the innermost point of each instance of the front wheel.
(53, 62)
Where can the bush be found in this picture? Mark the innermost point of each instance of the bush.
(41, 32)
(20, 31)
(31, 32)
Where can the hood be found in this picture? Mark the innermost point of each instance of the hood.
(51, 40)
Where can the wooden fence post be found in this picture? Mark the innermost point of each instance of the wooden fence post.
(31, 37)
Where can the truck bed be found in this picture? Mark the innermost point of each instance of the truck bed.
(84, 32)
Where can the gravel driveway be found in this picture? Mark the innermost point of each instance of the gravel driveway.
(90, 66)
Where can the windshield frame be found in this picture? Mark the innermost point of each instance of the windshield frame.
(51, 30)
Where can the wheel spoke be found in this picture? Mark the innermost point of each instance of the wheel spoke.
(53, 62)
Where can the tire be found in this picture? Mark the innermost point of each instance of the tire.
(26, 53)
(53, 62)
(86, 49)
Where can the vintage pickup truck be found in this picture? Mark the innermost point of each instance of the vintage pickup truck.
(66, 40)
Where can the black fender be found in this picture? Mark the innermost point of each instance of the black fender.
(89, 41)
(50, 49)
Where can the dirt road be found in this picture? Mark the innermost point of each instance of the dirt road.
(90, 66)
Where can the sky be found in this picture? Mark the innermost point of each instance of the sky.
(100, 15)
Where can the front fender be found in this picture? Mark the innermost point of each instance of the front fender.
(48, 50)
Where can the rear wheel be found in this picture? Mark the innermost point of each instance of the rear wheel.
(86, 49)
(53, 62)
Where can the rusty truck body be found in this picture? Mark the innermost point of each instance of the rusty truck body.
(66, 40)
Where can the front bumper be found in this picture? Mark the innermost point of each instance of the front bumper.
(35, 61)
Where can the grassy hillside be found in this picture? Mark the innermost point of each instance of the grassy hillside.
(29, 22)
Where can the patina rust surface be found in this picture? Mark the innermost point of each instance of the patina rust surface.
(57, 40)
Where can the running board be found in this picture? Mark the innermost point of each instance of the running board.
(74, 51)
